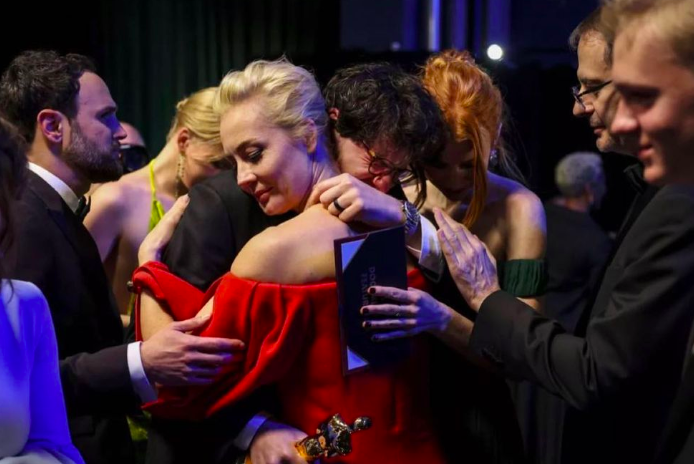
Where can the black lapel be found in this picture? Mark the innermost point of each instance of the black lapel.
(84, 247)
(635, 210)
(61, 213)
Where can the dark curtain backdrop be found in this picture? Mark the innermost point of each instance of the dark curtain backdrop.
(154, 52)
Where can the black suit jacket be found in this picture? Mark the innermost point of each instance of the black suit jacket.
(217, 223)
(677, 442)
(53, 250)
(620, 378)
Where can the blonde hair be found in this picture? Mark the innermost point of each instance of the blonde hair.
(291, 95)
(196, 113)
(673, 19)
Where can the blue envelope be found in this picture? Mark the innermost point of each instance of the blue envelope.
(375, 258)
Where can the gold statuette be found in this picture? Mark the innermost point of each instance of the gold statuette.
(333, 438)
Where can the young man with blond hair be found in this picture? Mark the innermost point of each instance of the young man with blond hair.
(654, 74)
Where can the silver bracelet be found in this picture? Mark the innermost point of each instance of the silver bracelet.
(411, 217)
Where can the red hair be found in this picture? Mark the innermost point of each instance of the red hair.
(473, 108)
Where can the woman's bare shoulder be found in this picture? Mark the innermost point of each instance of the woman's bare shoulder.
(523, 216)
(130, 190)
(295, 252)
(515, 202)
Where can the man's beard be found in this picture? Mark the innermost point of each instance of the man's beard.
(92, 162)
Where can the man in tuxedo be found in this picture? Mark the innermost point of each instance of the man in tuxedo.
(221, 219)
(654, 72)
(621, 374)
(65, 112)
(541, 414)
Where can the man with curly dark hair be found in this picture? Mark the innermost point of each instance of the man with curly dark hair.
(378, 107)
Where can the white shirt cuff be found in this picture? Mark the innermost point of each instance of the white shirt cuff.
(429, 255)
(245, 437)
(141, 384)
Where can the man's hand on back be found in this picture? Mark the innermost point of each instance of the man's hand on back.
(173, 357)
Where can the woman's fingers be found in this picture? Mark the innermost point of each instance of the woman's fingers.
(393, 293)
(389, 309)
(394, 335)
(389, 324)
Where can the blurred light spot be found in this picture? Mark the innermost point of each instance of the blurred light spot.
(495, 52)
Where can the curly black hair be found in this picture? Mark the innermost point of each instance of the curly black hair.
(12, 171)
(379, 102)
(36, 80)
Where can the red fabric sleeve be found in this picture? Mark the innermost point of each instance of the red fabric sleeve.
(270, 319)
(179, 298)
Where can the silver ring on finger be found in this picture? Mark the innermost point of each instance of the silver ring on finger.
(338, 206)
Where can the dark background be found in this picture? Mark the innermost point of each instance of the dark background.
(154, 52)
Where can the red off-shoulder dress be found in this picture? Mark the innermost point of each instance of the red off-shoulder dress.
(292, 339)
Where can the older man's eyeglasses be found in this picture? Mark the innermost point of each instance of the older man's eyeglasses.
(380, 166)
(580, 97)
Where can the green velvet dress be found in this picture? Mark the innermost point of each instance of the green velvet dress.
(482, 421)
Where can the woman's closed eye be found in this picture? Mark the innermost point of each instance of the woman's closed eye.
(255, 155)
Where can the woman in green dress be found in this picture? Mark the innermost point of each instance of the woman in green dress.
(510, 220)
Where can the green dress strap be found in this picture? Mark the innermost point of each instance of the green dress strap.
(157, 211)
(155, 215)
(523, 278)
(139, 424)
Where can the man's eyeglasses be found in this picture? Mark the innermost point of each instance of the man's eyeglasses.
(380, 166)
(133, 157)
(580, 96)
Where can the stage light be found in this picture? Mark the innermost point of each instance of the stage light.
(495, 52)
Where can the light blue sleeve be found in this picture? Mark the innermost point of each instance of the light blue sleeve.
(49, 437)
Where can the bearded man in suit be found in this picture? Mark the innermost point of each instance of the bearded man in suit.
(65, 112)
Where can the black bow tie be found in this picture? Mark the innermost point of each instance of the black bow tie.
(83, 207)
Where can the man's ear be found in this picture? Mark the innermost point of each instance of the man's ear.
(383, 183)
(589, 194)
(333, 113)
(52, 125)
(183, 140)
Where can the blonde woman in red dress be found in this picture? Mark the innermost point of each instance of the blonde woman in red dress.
(280, 297)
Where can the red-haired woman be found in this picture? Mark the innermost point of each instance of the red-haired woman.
(508, 218)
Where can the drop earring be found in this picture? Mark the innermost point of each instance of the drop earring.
(493, 158)
(180, 168)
